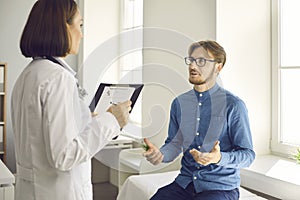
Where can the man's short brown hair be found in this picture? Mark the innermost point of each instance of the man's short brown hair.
(212, 47)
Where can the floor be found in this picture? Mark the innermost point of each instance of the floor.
(105, 191)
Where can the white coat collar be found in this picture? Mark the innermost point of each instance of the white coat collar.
(62, 62)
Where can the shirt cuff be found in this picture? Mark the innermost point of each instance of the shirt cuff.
(224, 159)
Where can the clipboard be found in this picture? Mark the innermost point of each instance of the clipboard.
(108, 94)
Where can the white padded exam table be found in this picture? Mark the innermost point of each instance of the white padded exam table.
(142, 187)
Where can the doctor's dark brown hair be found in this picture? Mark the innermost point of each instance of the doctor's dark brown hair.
(212, 47)
(45, 32)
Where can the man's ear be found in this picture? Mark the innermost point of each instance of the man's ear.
(219, 67)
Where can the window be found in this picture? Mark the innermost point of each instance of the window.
(131, 43)
(285, 76)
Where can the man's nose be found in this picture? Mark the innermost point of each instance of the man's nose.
(193, 65)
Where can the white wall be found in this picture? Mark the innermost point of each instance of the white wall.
(244, 29)
(101, 27)
(12, 20)
(178, 24)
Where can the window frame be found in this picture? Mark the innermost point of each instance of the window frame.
(127, 64)
(277, 146)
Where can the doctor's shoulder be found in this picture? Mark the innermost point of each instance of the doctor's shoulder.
(50, 76)
(51, 71)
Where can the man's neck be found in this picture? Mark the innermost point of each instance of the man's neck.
(204, 87)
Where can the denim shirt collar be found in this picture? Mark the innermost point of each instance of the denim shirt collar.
(206, 93)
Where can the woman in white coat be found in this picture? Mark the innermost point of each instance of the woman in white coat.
(55, 134)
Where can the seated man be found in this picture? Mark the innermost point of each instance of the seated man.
(210, 126)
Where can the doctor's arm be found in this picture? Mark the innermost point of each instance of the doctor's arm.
(67, 142)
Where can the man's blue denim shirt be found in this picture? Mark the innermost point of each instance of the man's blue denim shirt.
(198, 120)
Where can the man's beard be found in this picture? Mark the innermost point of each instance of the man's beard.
(195, 82)
(202, 82)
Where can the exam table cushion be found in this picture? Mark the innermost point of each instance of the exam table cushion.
(142, 187)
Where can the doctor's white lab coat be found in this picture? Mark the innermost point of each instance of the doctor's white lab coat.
(55, 135)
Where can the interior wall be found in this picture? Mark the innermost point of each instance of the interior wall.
(11, 29)
(100, 44)
(170, 26)
(244, 29)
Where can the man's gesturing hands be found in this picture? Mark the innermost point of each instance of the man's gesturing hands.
(212, 157)
(153, 153)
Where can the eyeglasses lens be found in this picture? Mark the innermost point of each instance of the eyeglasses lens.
(199, 61)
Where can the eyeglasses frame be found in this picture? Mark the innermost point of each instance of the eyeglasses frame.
(195, 60)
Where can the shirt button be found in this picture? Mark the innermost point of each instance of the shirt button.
(195, 177)
(200, 104)
(200, 95)
(199, 147)
(198, 167)
(197, 133)
(198, 119)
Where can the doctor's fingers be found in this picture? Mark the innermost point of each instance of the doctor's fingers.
(123, 119)
(120, 114)
(125, 105)
(94, 114)
(120, 109)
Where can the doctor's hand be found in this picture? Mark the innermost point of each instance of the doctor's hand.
(153, 154)
(94, 114)
(212, 157)
(121, 112)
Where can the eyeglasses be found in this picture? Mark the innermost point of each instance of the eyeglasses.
(200, 62)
